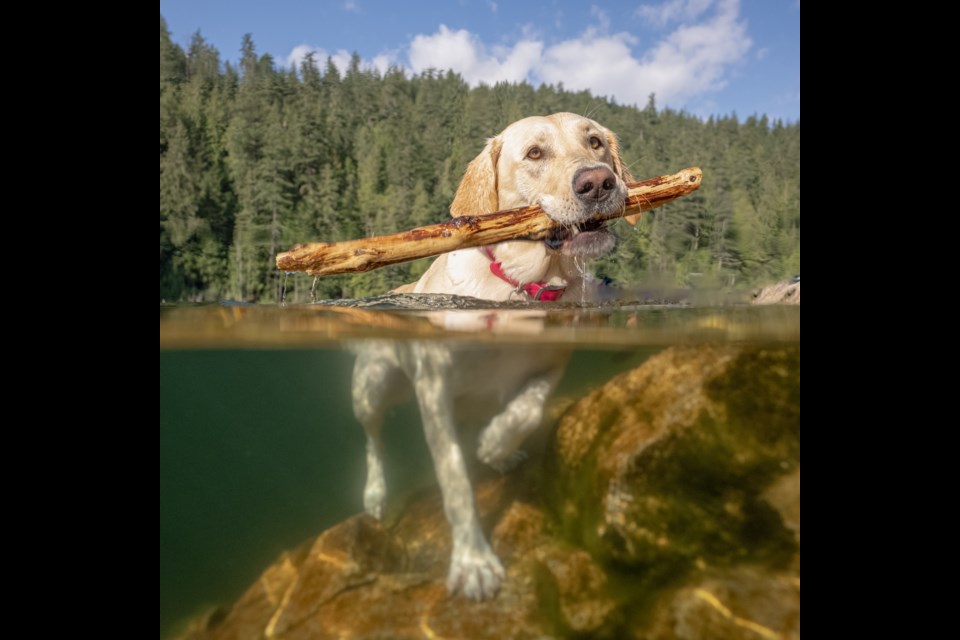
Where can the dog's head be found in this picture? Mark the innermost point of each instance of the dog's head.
(568, 164)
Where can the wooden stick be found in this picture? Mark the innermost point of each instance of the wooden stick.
(526, 223)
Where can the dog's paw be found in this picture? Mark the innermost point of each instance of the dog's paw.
(499, 451)
(374, 509)
(510, 462)
(475, 572)
(374, 498)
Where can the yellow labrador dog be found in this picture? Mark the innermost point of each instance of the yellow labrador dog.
(570, 166)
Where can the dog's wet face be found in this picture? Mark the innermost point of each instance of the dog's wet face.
(570, 166)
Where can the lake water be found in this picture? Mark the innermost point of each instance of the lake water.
(259, 448)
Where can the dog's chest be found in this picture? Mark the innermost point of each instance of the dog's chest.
(498, 374)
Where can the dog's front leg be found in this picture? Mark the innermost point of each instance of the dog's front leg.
(474, 568)
(374, 375)
(501, 439)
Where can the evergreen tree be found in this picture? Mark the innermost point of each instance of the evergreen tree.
(254, 159)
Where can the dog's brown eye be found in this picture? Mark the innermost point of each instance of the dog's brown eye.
(595, 142)
(535, 154)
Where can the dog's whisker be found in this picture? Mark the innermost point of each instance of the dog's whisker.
(591, 109)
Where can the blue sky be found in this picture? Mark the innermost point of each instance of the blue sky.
(705, 56)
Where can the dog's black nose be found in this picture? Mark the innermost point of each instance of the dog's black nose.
(594, 183)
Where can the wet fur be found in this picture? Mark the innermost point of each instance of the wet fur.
(502, 177)
(515, 381)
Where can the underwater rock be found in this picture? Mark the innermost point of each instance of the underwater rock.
(784, 496)
(666, 464)
(741, 604)
(362, 580)
(666, 507)
(359, 580)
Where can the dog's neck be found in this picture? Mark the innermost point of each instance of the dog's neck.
(525, 261)
(537, 290)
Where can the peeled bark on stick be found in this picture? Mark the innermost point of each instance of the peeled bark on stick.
(525, 223)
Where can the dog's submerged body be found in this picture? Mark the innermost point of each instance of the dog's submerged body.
(571, 167)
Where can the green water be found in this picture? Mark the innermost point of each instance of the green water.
(259, 449)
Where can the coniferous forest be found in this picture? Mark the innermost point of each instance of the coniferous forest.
(256, 158)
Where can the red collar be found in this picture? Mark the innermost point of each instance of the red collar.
(540, 291)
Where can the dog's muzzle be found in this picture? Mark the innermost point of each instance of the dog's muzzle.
(588, 240)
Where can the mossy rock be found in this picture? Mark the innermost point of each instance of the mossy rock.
(667, 465)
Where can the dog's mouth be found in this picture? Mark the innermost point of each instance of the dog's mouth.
(590, 239)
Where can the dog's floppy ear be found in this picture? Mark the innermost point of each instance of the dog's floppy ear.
(619, 168)
(477, 193)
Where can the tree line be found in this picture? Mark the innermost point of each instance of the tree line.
(255, 158)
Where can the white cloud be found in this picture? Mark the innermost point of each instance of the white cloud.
(299, 53)
(463, 52)
(659, 15)
(691, 60)
(762, 53)
(341, 58)
(683, 67)
(530, 31)
(384, 61)
(352, 6)
(604, 65)
(492, 5)
(601, 16)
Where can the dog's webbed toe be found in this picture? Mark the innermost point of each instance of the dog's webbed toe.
(476, 573)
